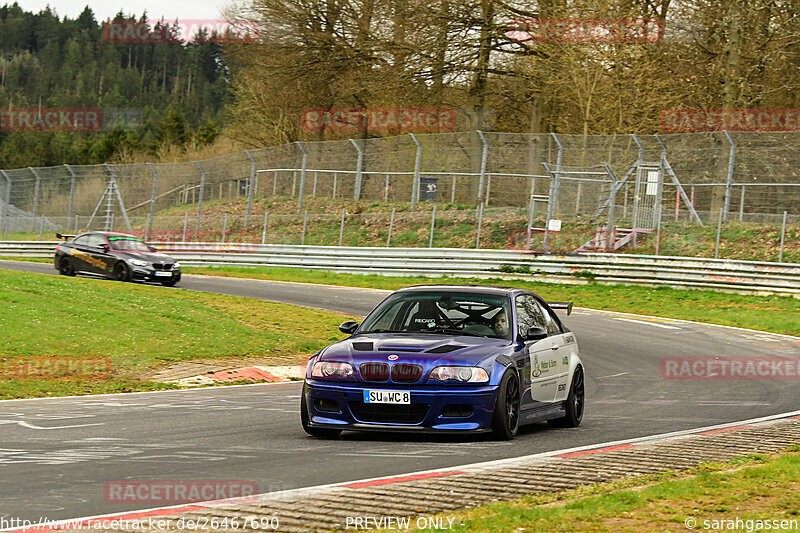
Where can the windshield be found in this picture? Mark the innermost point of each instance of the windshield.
(475, 314)
(128, 244)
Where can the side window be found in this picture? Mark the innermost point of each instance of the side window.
(552, 326)
(529, 315)
(96, 240)
(83, 240)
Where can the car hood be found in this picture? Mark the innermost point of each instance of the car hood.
(145, 256)
(428, 350)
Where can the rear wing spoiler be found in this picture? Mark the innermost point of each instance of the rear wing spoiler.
(65, 236)
(561, 306)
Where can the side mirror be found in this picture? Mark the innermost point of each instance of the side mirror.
(348, 327)
(535, 334)
(105, 246)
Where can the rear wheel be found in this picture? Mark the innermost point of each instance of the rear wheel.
(505, 423)
(122, 272)
(315, 432)
(65, 267)
(574, 404)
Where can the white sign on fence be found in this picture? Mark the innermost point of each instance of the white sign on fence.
(554, 225)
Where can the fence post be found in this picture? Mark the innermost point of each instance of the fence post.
(305, 222)
(453, 191)
(224, 227)
(341, 227)
(783, 235)
(484, 158)
(264, 232)
(610, 240)
(200, 195)
(433, 225)
(151, 215)
(741, 205)
(386, 189)
(552, 203)
(719, 230)
(250, 186)
(359, 165)
(302, 176)
(480, 223)
(185, 223)
(729, 182)
(391, 224)
(71, 191)
(35, 192)
(417, 163)
(7, 204)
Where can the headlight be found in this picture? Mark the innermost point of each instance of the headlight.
(330, 369)
(176, 265)
(466, 374)
(139, 262)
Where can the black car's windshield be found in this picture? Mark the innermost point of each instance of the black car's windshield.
(128, 244)
(442, 312)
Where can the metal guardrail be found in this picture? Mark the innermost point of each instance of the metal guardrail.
(751, 276)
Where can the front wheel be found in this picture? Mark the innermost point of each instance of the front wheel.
(325, 433)
(169, 283)
(505, 423)
(65, 267)
(574, 404)
(122, 272)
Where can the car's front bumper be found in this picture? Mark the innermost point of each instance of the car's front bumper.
(432, 408)
(149, 274)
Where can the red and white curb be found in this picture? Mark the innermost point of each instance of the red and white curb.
(94, 522)
(255, 374)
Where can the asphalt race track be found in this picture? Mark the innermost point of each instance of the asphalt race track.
(56, 455)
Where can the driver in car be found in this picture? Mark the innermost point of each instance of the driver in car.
(500, 323)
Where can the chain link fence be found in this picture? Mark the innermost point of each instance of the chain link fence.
(584, 181)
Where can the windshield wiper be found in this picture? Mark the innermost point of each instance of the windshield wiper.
(454, 331)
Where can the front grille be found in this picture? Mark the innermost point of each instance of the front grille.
(388, 413)
(162, 266)
(406, 373)
(374, 371)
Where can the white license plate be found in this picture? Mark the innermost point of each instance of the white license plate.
(163, 274)
(387, 396)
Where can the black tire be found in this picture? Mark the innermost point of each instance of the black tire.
(122, 272)
(574, 404)
(65, 267)
(169, 283)
(324, 433)
(505, 423)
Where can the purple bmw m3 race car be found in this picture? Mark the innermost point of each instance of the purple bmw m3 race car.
(448, 358)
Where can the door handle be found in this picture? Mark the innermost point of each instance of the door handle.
(554, 347)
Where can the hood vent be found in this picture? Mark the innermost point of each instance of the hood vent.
(363, 346)
(445, 348)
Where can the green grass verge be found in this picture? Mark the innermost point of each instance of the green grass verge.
(140, 327)
(776, 314)
(749, 488)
